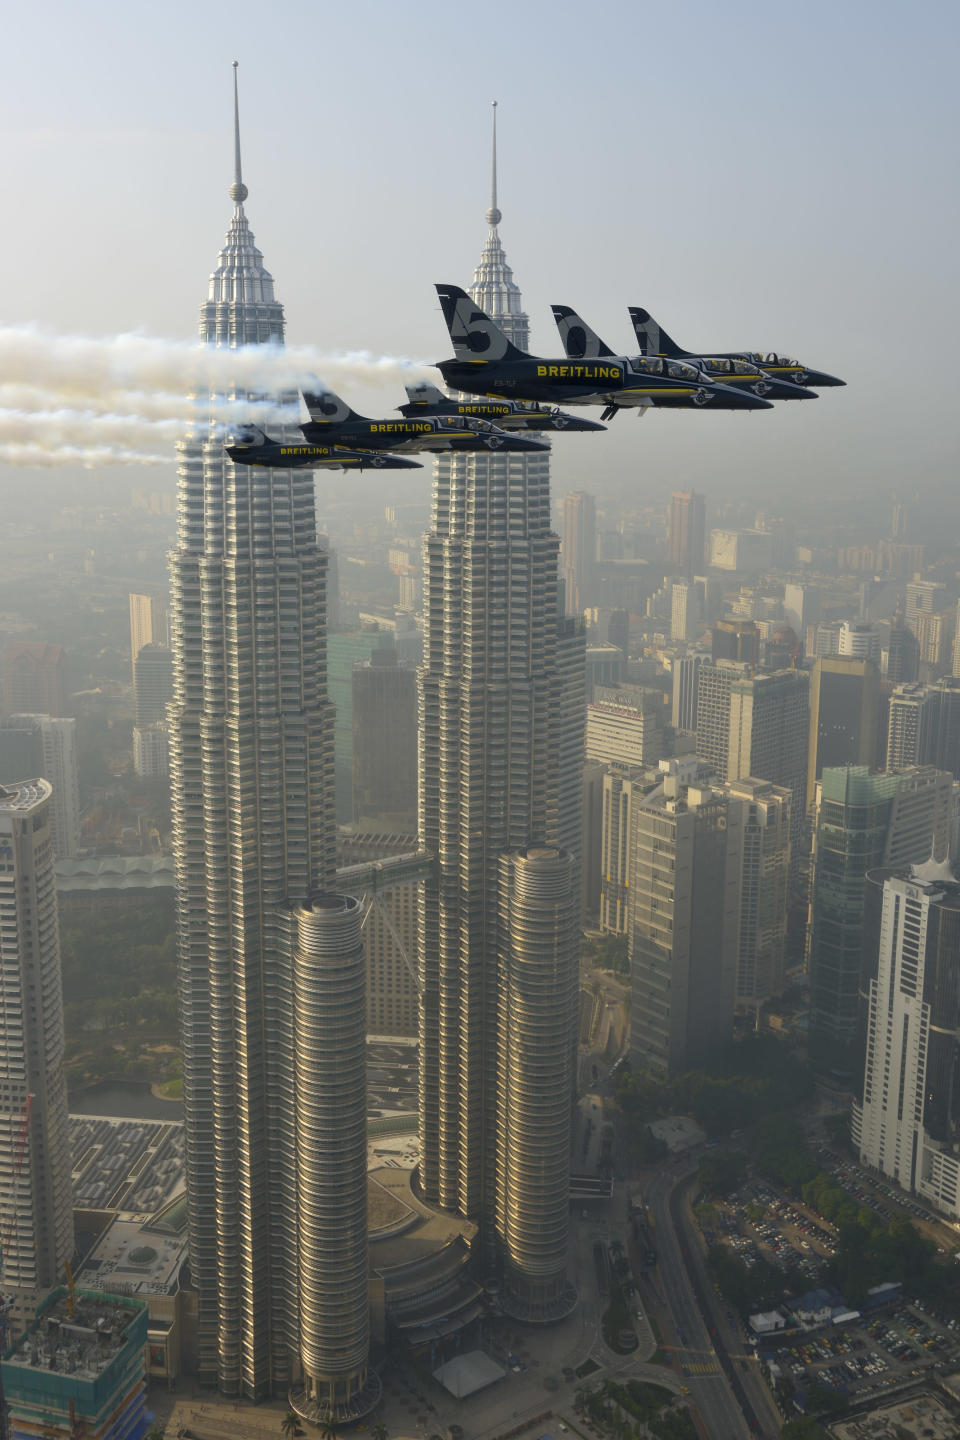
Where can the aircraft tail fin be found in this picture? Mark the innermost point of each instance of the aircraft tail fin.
(474, 335)
(326, 408)
(579, 341)
(250, 434)
(423, 393)
(651, 337)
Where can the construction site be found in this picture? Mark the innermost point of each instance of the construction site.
(78, 1371)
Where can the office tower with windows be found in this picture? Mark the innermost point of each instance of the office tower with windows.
(764, 886)
(385, 744)
(906, 1117)
(501, 694)
(844, 702)
(625, 732)
(35, 1186)
(684, 921)
(46, 745)
(270, 963)
(862, 821)
(737, 640)
(579, 550)
(688, 531)
(148, 625)
(685, 672)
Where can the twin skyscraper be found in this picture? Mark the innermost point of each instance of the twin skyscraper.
(271, 959)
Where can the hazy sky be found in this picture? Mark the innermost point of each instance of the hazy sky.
(779, 176)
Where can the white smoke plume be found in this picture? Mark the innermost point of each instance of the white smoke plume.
(69, 399)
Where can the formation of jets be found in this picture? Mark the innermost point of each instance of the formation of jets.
(519, 392)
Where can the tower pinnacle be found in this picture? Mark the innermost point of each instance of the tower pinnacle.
(493, 215)
(238, 191)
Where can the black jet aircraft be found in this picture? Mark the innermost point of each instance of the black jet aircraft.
(486, 362)
(425, 399)
(654, 340)
(333, 422)
(579, 340)
(256, 448)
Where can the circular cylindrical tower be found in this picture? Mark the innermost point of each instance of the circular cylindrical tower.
(329, 1025)
(539, 914)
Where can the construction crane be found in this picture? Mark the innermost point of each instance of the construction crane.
(6, 1236)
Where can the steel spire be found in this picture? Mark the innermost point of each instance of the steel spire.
(238, 191)
(493, 216)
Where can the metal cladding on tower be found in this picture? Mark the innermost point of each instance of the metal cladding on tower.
(267, 958)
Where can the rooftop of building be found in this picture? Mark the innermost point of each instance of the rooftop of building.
(23, 795)
(77, 1334)
(133, 1258)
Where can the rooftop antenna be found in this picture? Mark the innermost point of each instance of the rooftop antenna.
(238, 191)
(493, 216)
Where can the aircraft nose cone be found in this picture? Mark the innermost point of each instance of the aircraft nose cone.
(575, 423)
(826, 380)
(742, 399)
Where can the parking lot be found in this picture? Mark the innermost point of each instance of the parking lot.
(891, 1349)
(787, 1236)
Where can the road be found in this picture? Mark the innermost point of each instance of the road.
(734, 1403)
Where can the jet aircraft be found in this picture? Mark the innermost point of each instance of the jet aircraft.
(486, 362)
(256, 448)
(332, 421)
(579, 340)
(654, 340)
(425, 399)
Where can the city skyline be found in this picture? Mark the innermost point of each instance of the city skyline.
(788, 238)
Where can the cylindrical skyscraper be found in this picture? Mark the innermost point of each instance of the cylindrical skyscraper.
(537, 984)
(329, 1033)
(501, 694)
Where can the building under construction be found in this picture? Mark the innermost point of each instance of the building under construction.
(79, 1370)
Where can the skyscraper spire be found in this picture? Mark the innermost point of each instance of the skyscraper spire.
(494, 288)
(238, 191)
(493, 216)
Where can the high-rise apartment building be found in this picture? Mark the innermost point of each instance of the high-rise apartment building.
(923, 597)
(844, 700)
(906, 1117)
(579, 550)
(35, 1189)
(148, 625)
(859, 641)
(683, 921)
(34, 679)
(934, 634)
(688, 531)
(912, 726)
(862, 821)
(152, 683)
(271, 966)
(501, 752)
(46, 745)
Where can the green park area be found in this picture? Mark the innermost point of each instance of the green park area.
(119, 993)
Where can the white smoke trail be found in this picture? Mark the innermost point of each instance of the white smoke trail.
(77, 399)
(73, 365)
(90, 457)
